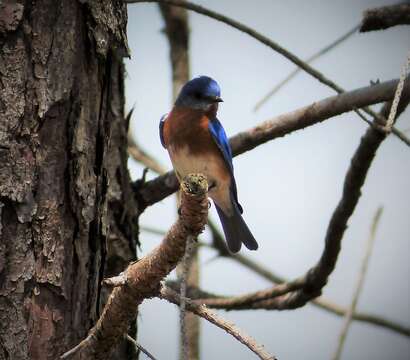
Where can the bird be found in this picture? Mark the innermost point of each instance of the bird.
(197, 143)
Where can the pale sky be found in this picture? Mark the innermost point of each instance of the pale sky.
(290, 186)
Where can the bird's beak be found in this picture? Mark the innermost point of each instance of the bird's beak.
(218, 99)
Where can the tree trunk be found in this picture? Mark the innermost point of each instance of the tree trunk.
(66, 209)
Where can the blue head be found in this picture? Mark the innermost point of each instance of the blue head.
(199, 93)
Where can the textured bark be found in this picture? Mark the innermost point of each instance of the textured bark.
(65, 204)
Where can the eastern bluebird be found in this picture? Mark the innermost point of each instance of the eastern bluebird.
(197, 143)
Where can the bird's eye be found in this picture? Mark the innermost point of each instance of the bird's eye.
(197, 95)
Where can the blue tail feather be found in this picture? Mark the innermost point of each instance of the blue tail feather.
(236, 231)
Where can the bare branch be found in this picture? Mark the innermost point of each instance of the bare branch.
(359, 285)
(230, 328)
(144, 276)
(218, 244)
(164, 185)
(385, 17)
(313, 114)
(270, 43)
(321, 302)
(315, 56)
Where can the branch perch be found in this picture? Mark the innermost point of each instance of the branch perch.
(143, 277)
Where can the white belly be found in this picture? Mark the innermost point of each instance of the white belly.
(219, 183)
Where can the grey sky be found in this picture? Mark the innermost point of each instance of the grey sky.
(288, 187)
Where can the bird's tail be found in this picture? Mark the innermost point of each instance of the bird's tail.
(236, 231)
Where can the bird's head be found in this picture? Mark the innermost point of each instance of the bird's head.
(200, 93)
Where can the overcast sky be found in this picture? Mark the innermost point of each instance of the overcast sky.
(288, 187)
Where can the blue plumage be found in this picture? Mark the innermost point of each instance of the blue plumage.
(197, 142)
(219, 136)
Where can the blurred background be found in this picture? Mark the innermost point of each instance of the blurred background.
(302, 174)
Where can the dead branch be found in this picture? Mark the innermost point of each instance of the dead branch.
(230, 328)
(359, 285)
(219, 245)
(143, 277)
(159, 188)
(385, 17)
(321, 302)
(274, 46)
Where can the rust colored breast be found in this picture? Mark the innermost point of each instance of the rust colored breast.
(186, 127)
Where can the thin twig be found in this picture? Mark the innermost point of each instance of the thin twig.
(270, 43)
(359, 285)
(315, 56)
(140, 347)
(201, 310)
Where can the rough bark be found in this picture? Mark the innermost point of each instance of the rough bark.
(65, 206)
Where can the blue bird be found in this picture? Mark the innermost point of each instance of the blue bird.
(197, 143)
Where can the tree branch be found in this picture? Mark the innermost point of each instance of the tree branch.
(161, 187)
(385, 17)
(230, 328)
(143, 277)
(326, 305)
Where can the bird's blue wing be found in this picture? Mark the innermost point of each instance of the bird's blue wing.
(161, 129)
(219, 136)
